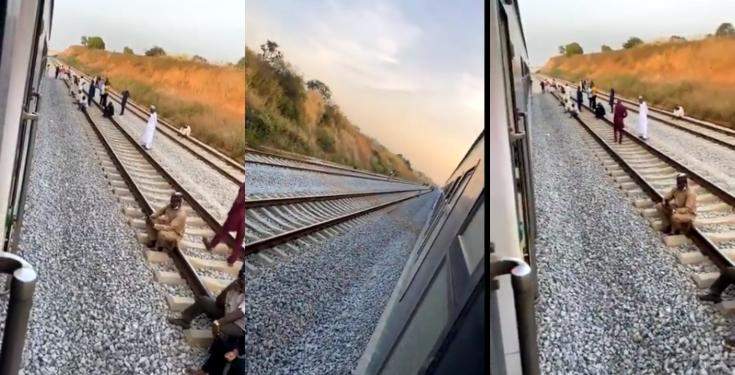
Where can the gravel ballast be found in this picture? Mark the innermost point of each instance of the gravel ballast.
(97, 309)
(613, 298)
(318, 322)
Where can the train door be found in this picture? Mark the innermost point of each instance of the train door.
(26, 131)
(512, 230)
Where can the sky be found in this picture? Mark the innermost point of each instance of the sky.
(549, 24)
(193, 27)
(407, 73)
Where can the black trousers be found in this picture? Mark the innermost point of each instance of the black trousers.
(720, 285)
(122, 105)
(216, 362)
(209, 307)
(103, 100)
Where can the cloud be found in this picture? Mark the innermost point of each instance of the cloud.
(470, 92)
(364, 44)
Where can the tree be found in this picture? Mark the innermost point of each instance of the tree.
(155, 51)
(241, 63)
(561, 50)
(572, 49)
(632, 42)
(270, 53)
(605, 48)
(93, 42)
(725, 29)
(676, 38)
(199, 59)
(128, 51)
(320, 87)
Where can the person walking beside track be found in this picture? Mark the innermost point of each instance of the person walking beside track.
(619, 114)
(146, 140)
(124, 101)
(235, 222)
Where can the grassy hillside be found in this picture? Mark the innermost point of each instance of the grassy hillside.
(700, 75)
(208, 97)
(283, 113)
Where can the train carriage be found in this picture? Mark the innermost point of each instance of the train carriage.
(513, 347)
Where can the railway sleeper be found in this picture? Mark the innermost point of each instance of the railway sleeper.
(214, 285)
(696, 257)
(705, 279)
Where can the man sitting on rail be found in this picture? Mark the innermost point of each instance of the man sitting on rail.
(599, 111)
(679, 112)
(228, 328)
(109, 110)
(679, 207)
(167, 225)
(185, 131)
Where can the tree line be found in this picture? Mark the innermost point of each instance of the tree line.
(725, 30)
(96, 42)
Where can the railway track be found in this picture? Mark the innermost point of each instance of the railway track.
(645, 174)
(233, 169)
(711, 132)
(276, 226)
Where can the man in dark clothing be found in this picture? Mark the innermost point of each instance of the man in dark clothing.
(612, 100)
(235, 222)
(599, 111)
(56, 75)
(543, 85)
(124, 101)
(579, 98)
(620, 113)
(109, 110)
(90, 97)
(593, 101)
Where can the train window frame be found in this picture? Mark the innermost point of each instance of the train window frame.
(476, 216)
(420, 254)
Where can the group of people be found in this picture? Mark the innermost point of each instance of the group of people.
(166, 227)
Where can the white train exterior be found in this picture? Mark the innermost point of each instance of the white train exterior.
(26, 27)
(512, 330)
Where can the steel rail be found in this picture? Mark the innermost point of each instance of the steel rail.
(186, 270)
(270, 202)
(282, 238)
(707, 247)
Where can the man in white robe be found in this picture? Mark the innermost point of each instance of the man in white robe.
(146, 140)
(679, 112)
(642, 119)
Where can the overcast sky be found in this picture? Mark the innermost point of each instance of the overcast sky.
(549, 24)
(212, 29)
(408, 73)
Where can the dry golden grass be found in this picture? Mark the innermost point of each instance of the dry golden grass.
(699, 75)
(211, 98)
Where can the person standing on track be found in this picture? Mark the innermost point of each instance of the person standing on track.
(543, 86)
(167, 225)
(90, 95)
(124, 101)
(612, 100)
(103, 92)
(56, 75)
(146, 140)
(235, 222)
(619, 114)
(579, 98)
(642, 119)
